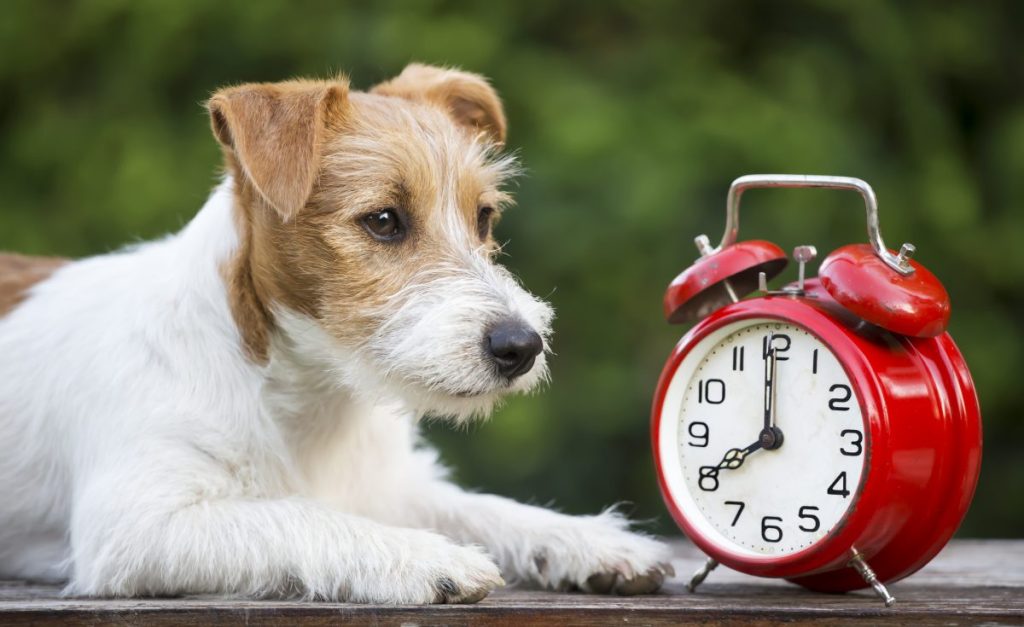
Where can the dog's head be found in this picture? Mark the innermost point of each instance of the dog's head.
(367, 248)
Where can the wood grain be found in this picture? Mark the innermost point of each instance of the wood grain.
(972, 582)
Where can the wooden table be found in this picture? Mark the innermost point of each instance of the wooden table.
(973, 582)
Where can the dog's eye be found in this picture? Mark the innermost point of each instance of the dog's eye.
(384, 225)
(483, 221)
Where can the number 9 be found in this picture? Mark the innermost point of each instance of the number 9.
(699, 431)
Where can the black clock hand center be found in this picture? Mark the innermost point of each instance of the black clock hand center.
(770, 437)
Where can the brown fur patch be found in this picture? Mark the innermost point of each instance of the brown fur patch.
(468, 98)
(274, 132)
(271, 134)
(18, 273)
(366, 152)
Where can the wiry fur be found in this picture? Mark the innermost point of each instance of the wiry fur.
(233, 409)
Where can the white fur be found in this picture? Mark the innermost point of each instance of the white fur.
(141, 452)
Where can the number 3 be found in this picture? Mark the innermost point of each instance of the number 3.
(858, 438)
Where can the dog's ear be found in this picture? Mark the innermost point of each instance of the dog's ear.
(469, 98)
(274, 132)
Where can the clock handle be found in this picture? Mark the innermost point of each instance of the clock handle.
(898, 262)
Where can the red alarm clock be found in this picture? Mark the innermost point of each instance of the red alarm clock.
(828, 432)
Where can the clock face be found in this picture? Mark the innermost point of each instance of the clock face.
(736, 485)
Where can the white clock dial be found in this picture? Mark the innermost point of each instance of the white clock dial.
(753, 499)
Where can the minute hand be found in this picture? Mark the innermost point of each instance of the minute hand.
(771, 436)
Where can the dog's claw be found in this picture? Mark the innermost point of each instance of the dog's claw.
(446, 590)
(450, 592)
(601, 583)
(647, 583)
(567, 585)
(621, 583)
(667, 568)
(473, 597)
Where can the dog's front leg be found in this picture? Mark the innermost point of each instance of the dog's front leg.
(549, 549)
(138, 533)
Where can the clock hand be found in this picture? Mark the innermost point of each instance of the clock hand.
(732, 460)
(770, 436)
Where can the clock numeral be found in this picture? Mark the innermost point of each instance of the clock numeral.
(843, 395)
(708, 478)
(838, 487)
(781, 344)
(711, 391)
(736, 518)
(699, 431)
(807, 513)
(737, 358)
(776, 535)
(858, 438)
(814, 362)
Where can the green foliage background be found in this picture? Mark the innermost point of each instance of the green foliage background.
(632, 117)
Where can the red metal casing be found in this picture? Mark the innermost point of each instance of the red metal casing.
(701, 288)
(923, 425)
(916, 304)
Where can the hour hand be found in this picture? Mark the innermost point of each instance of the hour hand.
(734, 457)
(732, 460)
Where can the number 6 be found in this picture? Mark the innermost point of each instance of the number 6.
(765, 527)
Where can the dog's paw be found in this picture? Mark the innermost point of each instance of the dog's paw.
(598, 554)
(430, 568)
(459, 574)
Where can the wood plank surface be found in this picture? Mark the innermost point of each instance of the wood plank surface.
(972, 582)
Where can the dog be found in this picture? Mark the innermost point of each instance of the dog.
(233, 409)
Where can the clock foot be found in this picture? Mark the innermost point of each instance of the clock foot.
(702, 574)
(862, 568)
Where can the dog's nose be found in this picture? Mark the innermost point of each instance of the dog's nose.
(513, 346)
